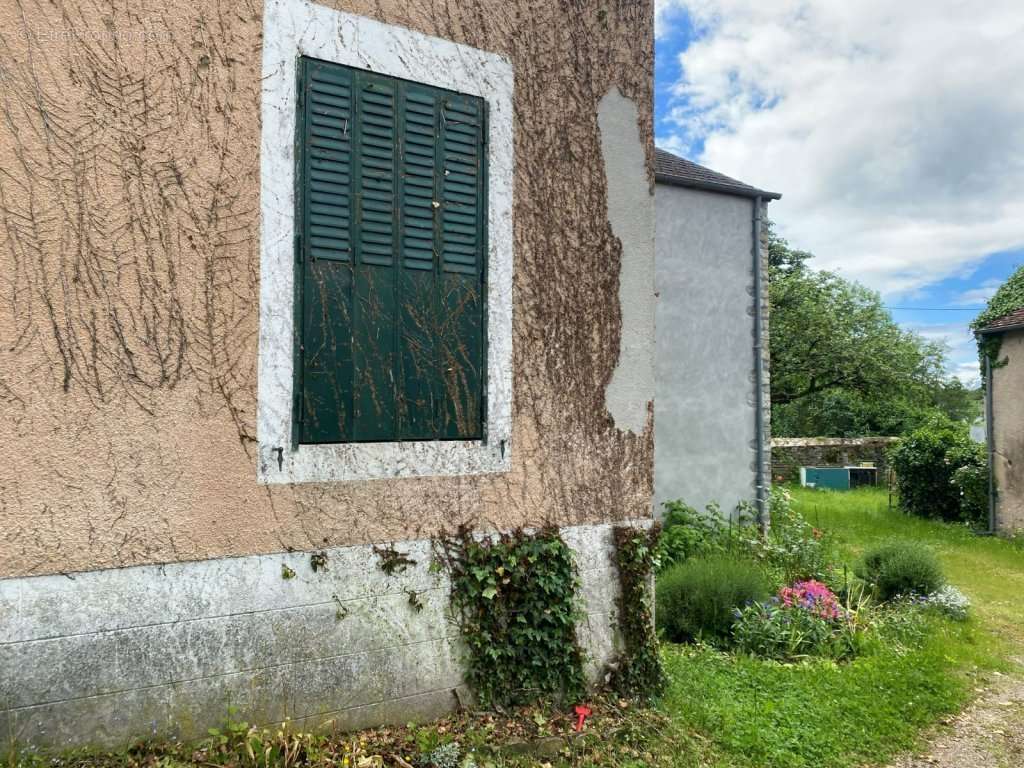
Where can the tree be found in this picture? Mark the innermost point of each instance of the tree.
(840, 365)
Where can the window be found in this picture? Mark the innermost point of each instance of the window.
(385, 344)
(391, 258)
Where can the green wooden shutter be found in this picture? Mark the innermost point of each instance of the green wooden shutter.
(419, 414)
(460, 332)
(392, 207)
(325, 254)
(374, 301)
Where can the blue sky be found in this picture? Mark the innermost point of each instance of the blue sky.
(894, 131)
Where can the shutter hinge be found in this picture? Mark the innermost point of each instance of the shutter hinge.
(298, 247)
(298, 408)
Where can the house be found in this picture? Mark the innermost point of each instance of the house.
(289, 287)
(712, 442)
(1004, 419)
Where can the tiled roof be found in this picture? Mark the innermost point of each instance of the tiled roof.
(1010, 320)
(671, 169)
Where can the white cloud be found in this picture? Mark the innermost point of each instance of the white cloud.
(961, 348)
(968, 372)
(981, 294)
(895, 131)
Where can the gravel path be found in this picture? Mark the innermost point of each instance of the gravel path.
(989, 734)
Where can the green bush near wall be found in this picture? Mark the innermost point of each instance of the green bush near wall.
(901, 568)
(941, 473)
(696, 599)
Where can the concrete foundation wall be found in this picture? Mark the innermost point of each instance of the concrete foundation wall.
(1008, 434)
(705, 447)
(112, 655)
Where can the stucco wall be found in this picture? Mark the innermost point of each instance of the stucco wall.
(129, 235)
(1008, 433)
(705, 448)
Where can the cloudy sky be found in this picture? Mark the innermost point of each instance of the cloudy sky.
(894, 131)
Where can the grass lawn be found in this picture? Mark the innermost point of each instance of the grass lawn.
(756, 713)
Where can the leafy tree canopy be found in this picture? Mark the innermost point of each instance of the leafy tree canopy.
(840, 365)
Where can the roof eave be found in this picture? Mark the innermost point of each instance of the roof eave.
(1000, 329)
(721, 189)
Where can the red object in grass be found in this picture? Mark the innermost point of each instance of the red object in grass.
(582, 713)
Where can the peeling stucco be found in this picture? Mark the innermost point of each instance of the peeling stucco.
(631, 217)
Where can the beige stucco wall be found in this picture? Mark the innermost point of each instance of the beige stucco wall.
(1008, 433)
(129, 238)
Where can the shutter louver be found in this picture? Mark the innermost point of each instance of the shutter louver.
(420, 372)
(374, 303)
(460, 336)
(325, 199)
(393, 203)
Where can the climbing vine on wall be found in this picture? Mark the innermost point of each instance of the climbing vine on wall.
(1008, 298)
(637, 671)
(515, 598)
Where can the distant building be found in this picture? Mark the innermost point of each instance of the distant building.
(712, 420)
(1005, 420)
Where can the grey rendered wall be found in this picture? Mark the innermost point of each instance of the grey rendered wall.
(704, 446)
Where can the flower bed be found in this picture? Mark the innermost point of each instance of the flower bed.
(818, 610)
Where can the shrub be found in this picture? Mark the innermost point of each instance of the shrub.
(775, 631)
(696, 599)
(901, 568)
(926, 462)
(970, 480)
(807, 619)
(793, 550)
(688, 533)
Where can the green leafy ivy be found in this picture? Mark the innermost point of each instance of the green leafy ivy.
(515, 597)
(1008, 298)
(638, 671)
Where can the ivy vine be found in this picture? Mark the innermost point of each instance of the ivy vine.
(391, 560)
(637, 672)
(515, 598)
(1007, 299)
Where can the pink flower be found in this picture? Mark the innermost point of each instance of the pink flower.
(811, 596)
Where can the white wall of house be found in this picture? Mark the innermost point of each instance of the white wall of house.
(704, 413)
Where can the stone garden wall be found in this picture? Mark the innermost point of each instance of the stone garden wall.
(791, 453)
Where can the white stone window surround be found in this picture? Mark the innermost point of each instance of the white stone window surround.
(295, 28)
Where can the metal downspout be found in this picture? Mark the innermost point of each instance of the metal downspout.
(990, 440)
(760, 485)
